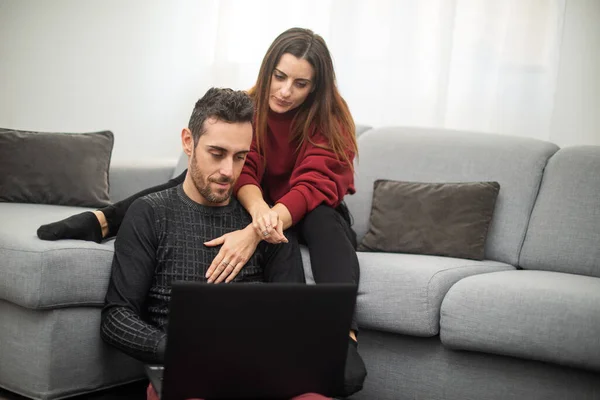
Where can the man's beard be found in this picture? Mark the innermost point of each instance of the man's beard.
(203, 185)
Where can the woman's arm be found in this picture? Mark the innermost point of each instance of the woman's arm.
(319, 177)
(237, 247)
(284, 215)
(268, 222)
(251, 197)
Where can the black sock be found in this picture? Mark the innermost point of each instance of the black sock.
(355, 371)
(84, 226)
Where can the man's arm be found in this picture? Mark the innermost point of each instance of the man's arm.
(131, 278)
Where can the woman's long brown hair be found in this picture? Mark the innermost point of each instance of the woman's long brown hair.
(324, 109)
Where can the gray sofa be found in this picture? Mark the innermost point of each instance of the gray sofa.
(51, 294)
(522, 324)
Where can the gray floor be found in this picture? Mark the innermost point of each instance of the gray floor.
(4, 395)
(133, 391)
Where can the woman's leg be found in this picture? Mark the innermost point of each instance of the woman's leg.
(283, 262)
(331, 243)
(88, 226)
(115, 213)
(330, 240)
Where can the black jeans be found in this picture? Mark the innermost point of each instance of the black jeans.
(331, 243)
(116, 212)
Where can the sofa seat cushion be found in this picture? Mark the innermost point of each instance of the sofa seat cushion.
(402, 293)
(39, 274)
(538, 315)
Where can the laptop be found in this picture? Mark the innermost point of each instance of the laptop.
(255, 341)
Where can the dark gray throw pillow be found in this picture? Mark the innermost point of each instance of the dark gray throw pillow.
(445, 219)
(55, 168)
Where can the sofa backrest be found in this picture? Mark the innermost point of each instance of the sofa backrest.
(360, 129)
(128, 178)
(564, 230)
(181, 166)
(182, 163)
(437, 155)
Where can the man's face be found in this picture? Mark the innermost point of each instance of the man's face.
(216, 162)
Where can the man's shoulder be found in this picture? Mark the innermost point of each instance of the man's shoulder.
(237, 207)
(152, 204)
(164, 197)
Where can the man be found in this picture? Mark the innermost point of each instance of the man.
(162, 238)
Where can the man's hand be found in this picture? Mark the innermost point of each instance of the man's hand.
(267, 224)
(238, 247)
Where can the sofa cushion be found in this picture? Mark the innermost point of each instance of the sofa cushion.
(402, 293)
(40, 274)
(538, 315)
(444, 219)
(55, 168)
(564, 230)
(437, 155)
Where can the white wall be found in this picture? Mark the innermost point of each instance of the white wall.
(134, 67)
(576, 117)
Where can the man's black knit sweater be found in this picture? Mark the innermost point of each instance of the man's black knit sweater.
(161, 240)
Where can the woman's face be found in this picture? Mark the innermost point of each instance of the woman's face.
(291, 83)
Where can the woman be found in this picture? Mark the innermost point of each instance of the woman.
(295, 177)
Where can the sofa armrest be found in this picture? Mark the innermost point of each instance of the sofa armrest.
(127, 178)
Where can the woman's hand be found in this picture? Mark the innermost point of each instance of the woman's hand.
(267, 224)
(238, 247)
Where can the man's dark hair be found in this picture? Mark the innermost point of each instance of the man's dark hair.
(225, 105)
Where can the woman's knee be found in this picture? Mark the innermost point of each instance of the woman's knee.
(324, 222)
(321, 215)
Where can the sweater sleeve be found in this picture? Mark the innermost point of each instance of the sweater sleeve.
(253, 170)
(318, 178)
(132, 274)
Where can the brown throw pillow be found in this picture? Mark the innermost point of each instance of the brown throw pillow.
(55, 168)
(444, 219)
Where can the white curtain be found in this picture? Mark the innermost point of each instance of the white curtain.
(137, 66)
(482, 65)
